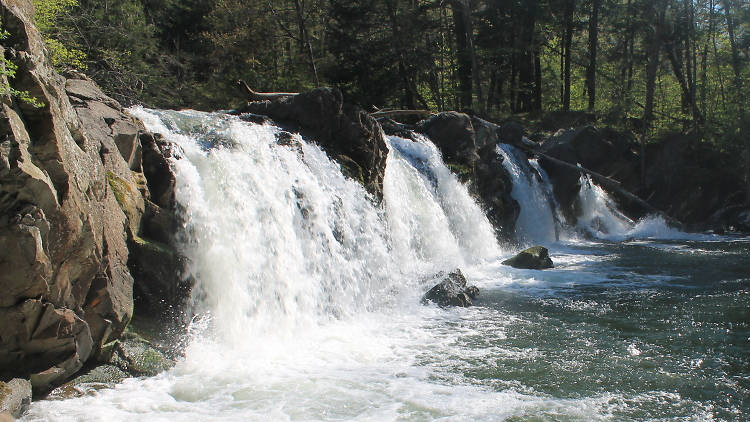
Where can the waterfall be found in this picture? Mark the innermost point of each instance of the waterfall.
(279, 240)
(538, 221)
(598, 212)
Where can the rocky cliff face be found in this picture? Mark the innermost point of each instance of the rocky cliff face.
(72, 195)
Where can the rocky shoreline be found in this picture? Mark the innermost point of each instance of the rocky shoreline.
(88, 214)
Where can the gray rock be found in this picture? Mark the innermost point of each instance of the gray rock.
(15, 397)
(451, 290)
(534, 258)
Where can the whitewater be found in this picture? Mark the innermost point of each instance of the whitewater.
(307, 298)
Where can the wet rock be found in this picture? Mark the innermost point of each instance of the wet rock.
(394, 128)
(160, 177)
(512, 133)
(735, 218)
(288, 140)
(340, 129)
(89, 381)
(603, 151)
(258, 119)
(451, 291)
(136, 356)
(15, 397)
(454, 135)
(534, 258)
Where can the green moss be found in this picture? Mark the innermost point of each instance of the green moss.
(462, 171)
(153, 246)
(119, 187)
(352, 170)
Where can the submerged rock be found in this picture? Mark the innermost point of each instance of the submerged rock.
(451, 291)
(15, 397)
(534, 258)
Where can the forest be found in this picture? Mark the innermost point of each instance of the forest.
(650, 67)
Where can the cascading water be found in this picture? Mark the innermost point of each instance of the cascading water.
(431, 215)
(598, 212)
(307, 299)
(538, 221)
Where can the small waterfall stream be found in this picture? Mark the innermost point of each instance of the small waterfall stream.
(538, 222)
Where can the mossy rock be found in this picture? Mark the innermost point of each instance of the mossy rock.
(139, 358)
(463, 172)
(351, 169)
(534, 258)
(127, 197)
(89, 382)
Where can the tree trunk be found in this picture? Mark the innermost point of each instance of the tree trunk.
(568, 44)
(305, 39)
(652, 66)
(537, 79)
(464, 55)
(593, 45)
(743, 121)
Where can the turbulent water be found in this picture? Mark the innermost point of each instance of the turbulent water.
(307, 299)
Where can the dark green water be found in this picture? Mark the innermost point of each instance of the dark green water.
(635, 331)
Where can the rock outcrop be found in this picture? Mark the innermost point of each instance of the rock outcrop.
(453, 133)
(533, 258)
(347, 133)
(452, 290)
(72, 197)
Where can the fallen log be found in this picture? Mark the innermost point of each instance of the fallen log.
(393, 113)
(263, 96)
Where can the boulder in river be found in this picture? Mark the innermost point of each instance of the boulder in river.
(451, 290)
(534, 258)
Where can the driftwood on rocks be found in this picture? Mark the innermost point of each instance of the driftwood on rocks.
(263, 96)
(394, 113)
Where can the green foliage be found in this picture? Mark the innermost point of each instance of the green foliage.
(8, 71)
(64, 51)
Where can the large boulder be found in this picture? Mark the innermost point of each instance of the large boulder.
(453, 133)
(469, 147)
(347, 133)
(492, 183)
(533, 258)
(452, 290)
(66, 284)
(692, 180)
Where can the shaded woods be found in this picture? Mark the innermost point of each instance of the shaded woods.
(651, 67)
